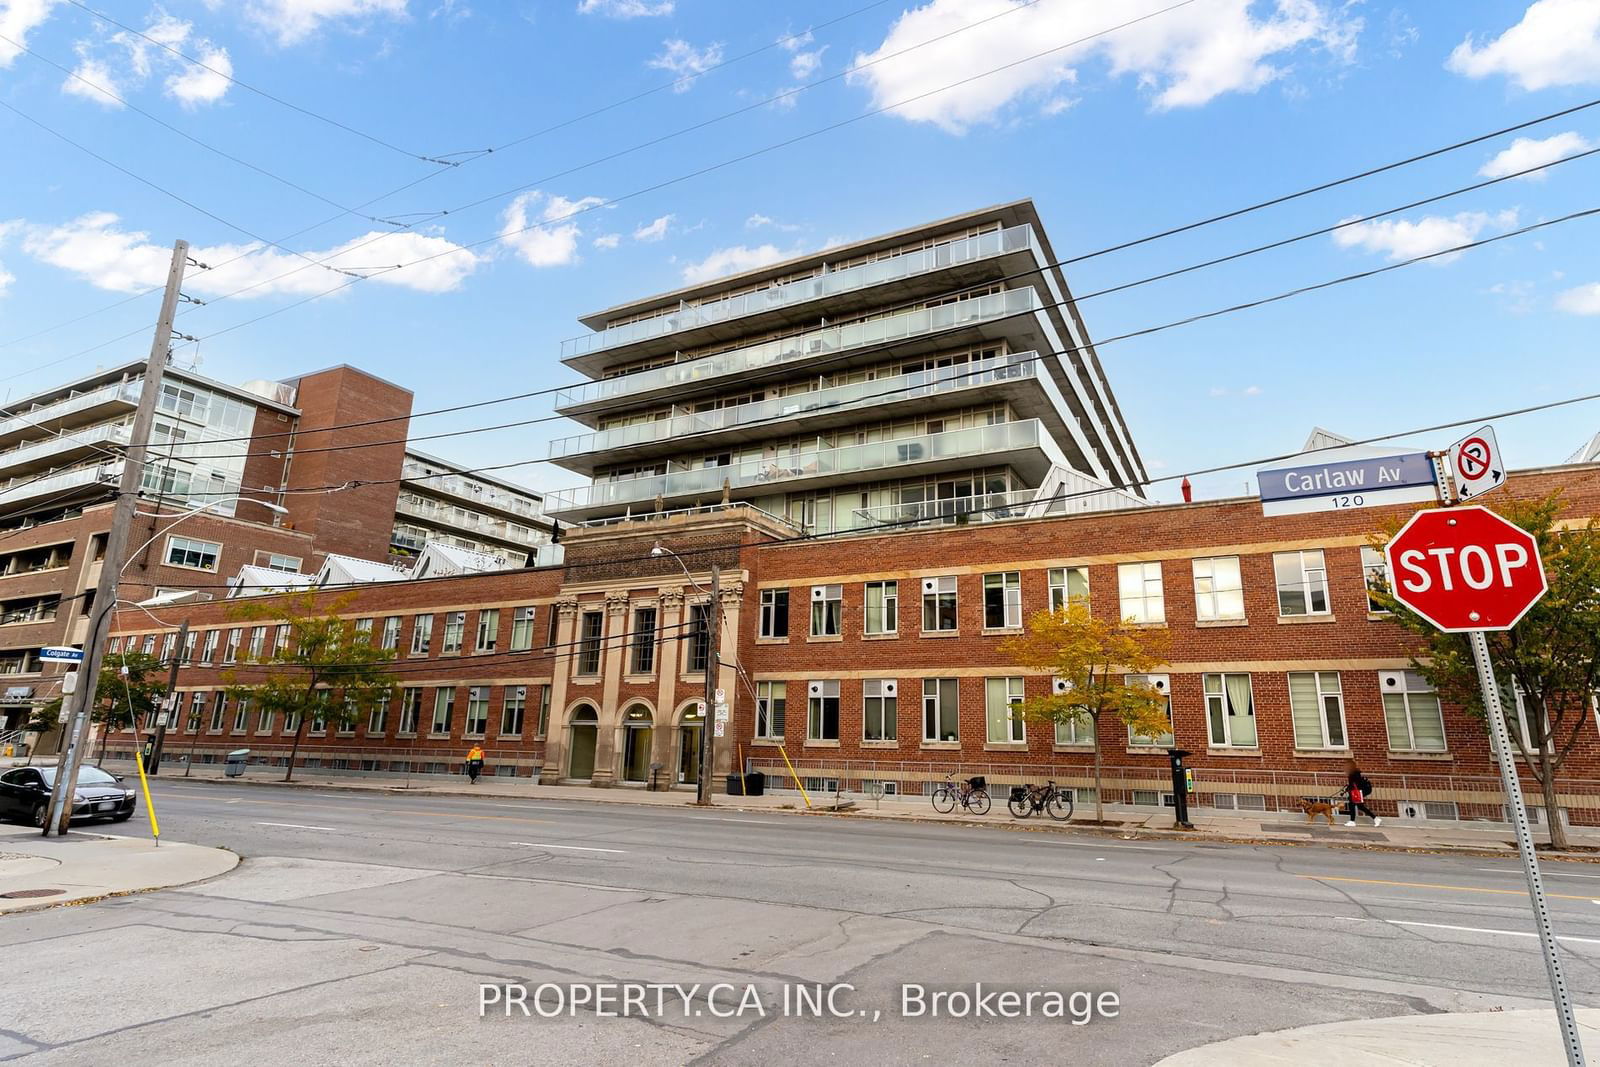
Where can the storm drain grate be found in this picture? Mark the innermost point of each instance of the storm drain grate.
(22, 894)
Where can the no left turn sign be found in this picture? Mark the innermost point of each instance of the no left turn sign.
(1476, 463)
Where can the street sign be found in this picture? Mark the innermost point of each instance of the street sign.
(1476, 462)
(700, 708)
(61, 655)
(1349, 483)
(721, 695)
(718, 728)
(1465, 569)
(722, 713)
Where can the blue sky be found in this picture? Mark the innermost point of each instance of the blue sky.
(1196, 110)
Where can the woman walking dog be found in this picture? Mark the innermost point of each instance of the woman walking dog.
(1359, 790)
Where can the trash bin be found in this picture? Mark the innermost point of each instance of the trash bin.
(755, 784)
(234, 768)
(736, 785)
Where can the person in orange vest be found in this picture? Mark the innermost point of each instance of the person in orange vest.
(474, 763)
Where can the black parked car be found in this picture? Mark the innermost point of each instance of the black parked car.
(25, 794)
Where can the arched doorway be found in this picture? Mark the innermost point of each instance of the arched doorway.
(637, 729)
(583, 732)
(691, 732)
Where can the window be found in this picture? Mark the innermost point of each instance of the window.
(822, 711)
(241, 716)
(390, 638)
(283, 638)
(477, 711)
(1411, 710)
(699, 653)
(488, 630)
(219, 712)
(939, 604)
(276, 561)
(410, 710)
(1316, 702)
(1374, 576)
(827, 610)
(522, 629)
(258, 642)
(291, 722)
(1002, 600)
(189, 640)
(444, 706)
(774, 613)
(169, 645)
(149, 647)
(231, 653)
(378, 719)
(642, 650)
(589, 642)
(197, 711)
(543, 726)
(1230, 710)
(1139, 588)
(1163, 684)
(319, 721)
(552, 629)
(264, 721)
(879, 710)
(1302, 582)
(1068, 584)
(421, 634)
(512, 708)
(1218, 589)
(188, 552)
(940, 712)
(770, 701)
(1002, 709)
(882, 612)
(455, 633)
(1525, 720)
(363, 630)
(1075, 732)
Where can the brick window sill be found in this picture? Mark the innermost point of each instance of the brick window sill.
(1426, 757)
(1005, 746)
(1217, 624)
(1084, 747)
(1305, 620)
(1000, 631)
(587, 679)
(1233, 750)
(1162, 625)
(947, 746)
(1322, 753)
(820, 639)
(639, 679)
(510, 737)
(940, 633)
(1148, 750)
(893, 635)
(766, 742)
(402, 736)
(820, 744)
(895, 743)
(485, 651)
(772, 640)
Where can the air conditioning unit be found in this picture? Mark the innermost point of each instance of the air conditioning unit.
(814, 689)
(1410, 811)
(1060, 685)
(930, 585)
(1159, 682)
(889, 688)
(819, 592)
(1392, 681)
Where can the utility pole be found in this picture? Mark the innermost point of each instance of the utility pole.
(713, 672)
(169, 703)
(105, 596)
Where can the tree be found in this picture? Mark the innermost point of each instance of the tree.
(326, 669)
(1090, 656)
(130, 690)
(1550, 659)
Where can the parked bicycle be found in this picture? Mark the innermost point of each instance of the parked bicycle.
(1025, 800)
(971, 793)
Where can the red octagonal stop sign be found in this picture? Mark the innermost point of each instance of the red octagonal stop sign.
(1465, 568)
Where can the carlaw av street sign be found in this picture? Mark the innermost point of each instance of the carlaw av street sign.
(1465, 568)
(1348, 483)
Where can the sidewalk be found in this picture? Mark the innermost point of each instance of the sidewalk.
(85, 866)
(1275, 828)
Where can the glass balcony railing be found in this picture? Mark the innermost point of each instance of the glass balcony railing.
(47, 413)
(830, 283)
(469, 490)
(32, 488)
(105, 434)
(483, 524)
(878, 391)
(811, 345)
(774, 473)
(1073, 494)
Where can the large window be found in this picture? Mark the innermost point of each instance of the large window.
(939, 604)
(879, 710)
(1002, 600)
(1411, 710)
(1139, 589)
(231, 653)
(377, 719)
(1374, 575)
(488, 630)
(1163, 685)
(1302, 582)
(189, 552)
(410, 710)
(822, 711)
(444, 708)
(1218, 589)
(1230, 710)
(477, 711)
(219, 712)
(522, 629)
(941, 713)
(642, 644)
(421, 634)
(455, 632)
(827, 610)
(258, 643)
(264, 721)
(1068, 584)
(512, 710)
(699, 657)
(774, 613)
(882, 608)
(390, 638)
(241, 716)
(1316, 701)
(1002, 708)
(197, 711)
(543, 726)
(1075, 732)
(208, 651)
(589, 630)
(770, 710)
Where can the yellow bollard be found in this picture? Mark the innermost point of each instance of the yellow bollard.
(144, 784)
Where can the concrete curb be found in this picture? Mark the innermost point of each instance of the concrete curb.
(92, 867)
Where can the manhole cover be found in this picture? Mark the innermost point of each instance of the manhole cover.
(20, 894)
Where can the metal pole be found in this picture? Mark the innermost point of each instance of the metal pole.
(713, 671)
(1530, 860)
(105, 597)
(167, 705)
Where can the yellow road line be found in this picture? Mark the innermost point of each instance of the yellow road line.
(1431, 885)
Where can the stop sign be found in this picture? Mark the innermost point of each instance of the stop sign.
(1465, 568)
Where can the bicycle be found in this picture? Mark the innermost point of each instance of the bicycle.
(1050, 798)
(971, 793)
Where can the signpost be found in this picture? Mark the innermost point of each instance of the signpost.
(61, 655)
(1348, 483)
(1475, 463)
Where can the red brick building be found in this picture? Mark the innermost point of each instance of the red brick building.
(875, 659)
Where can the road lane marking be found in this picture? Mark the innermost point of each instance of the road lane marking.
(1431, 885)
(1542, 870)
(570, 848)
(298, 826)
(1472, 929)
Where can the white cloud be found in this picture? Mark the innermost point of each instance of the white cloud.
(1407, 239)
(17, 19)
(198, 85)
(803, 61)
(1056, 105)
(608, 240)
(1583, 300)
(98, 250)
(759, 221)
(1252, 390)
(686, 61)
(653, 231)
(551, 240)
(113, 66)
(1185, 58)
(92, 79)
(1525, 152)
(625, 9)
(1556, 43)
(292, 21)
(733, 261)
(6, 278)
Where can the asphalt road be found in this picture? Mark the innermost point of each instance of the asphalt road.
(360, 928)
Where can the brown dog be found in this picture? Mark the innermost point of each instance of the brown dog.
(1313, 808)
